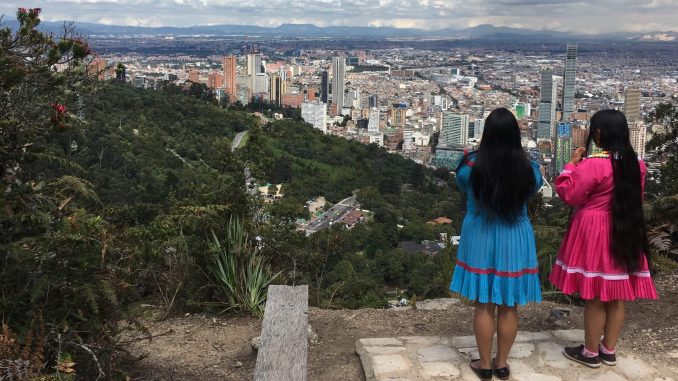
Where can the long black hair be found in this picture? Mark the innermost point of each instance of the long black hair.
(628, 237)
(502, 177)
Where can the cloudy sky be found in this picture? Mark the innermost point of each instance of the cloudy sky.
(593, 16)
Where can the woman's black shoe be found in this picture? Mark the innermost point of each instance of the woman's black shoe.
(483, 374)
(501, 373)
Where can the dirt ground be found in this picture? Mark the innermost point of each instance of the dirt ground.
(198, 347)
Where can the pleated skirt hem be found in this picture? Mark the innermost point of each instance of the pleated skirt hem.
(496, 289)
(596, 287)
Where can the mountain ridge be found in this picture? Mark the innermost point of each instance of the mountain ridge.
(482, 31)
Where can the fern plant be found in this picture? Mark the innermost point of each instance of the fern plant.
(239, 270)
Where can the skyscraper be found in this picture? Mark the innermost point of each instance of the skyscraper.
(230, 75)
(373, 123)
(254, 64)
(315, 113)
(324, 87)
(276, 89)
(407, 139)
(455, 130)
(547, 107)
(338, 81)
(638, 135)
(478, 128)
(563, 145)
(569, 77)
(632, 104)
(253, 71)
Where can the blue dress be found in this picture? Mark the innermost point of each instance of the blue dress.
(496, 260)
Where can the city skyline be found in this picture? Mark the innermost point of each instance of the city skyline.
(595, 17)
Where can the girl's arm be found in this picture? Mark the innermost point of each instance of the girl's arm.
(575, 183)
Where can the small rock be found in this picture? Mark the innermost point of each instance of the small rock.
(312, 336)
(256, 343)
(187, 314)
(238, 364)
(214, 321)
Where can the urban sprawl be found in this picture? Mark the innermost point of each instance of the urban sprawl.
(425, 105)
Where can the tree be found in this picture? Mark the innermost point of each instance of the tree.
(664, 143)
(54, 270)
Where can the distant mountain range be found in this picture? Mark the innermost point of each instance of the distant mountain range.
(481, 32)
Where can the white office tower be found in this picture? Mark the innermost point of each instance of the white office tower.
(260, 84)
(547, 105)
(254, 64)
(315, 113)
(632, 104)
(407, 139)
(373, 121)
(569, 81)
(282, 72)
(454, 132)
(253, 70)
(638, 135)
(338, 82)
(478, 128)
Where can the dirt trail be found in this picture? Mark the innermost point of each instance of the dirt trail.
(210, 348)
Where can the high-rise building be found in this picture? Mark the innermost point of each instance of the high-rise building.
(579, 136)
(563, 145)
(260, 86)
(324, 87)
(254, 69)
(399, 115)
(230, 75)
(97, 68)
(276, 89)
(373, 123)
(547, 107)
(254, 64)
(338, 82)
(407, 139)
(632, 104)
(374, 100)
(315, 113)
(455, 130)
(215, 80)
(478, 128)
(638, 135)
(569, 81)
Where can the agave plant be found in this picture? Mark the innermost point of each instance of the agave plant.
(240, 270)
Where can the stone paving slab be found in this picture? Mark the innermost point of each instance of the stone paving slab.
(536, 356)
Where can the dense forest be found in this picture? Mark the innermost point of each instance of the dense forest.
(115, 196)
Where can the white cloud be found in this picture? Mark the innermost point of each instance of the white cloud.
(595, 16)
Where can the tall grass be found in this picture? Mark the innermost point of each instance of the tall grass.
(239, 270)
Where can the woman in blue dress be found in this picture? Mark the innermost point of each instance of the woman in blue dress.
(497, 258)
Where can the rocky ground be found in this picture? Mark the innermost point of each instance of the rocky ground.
(198, 347)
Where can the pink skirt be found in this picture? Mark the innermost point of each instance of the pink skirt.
(585, 264)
